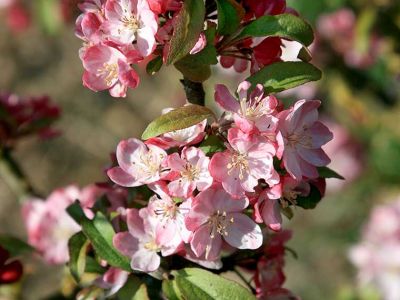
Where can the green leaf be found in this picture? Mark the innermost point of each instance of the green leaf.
(176, 119)
(188, 26)
(229, 15)
(282, 76)
(77, 247)
(211, 145)
(171, 290)
(325, 172)
(154, 65)
(14, 245)
(310, 201)
(285, 26)
(194, 283)
(92, 266)
(197, 67)
(134, 289)
(100, 233)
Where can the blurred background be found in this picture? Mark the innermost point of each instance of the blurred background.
(358, 48)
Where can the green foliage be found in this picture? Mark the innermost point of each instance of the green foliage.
(194, 283)
(77, 247)
(154, 65)
(14, 246)
(100, 233)
(211, 145)
(197, 67)
(134, 289)
(176, 119)
(187, 29)
(310, 201)
(285, 26)
(325, 172)
(229, 15)
(282, 76)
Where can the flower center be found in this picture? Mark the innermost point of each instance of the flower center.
(168, 211)
(109, 72)
(130, 22)
(238, 161)
(150, 163)
(191, 173)
(152, 246)
(301, 138)
(254, 109)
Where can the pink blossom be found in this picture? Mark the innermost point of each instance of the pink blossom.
(200, 44)
(303, 135)
(248, 159)
(49, 226)
(140, 242)
(112, 280)
(170, 230)
(191, 170)
(215, 216)
(131, 21)
(106, 68)
(253, 111)
(139, 164)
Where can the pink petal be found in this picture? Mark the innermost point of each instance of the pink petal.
(125, 243)
(145, 261)
(243, 233)
(316, 157)
(122, 178)
(271, 214)
(135, 223)
(146, 41)
(224, 98)
(202, 243)
(320, 134)
(127, 75)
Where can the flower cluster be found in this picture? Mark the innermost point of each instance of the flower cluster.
(48, 224)
(121, 33)
(20, 117)
(205, 203)
(377, 256)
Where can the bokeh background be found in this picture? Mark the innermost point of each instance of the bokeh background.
(358, 49)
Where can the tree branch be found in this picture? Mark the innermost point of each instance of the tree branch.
(194, 91)
(13, 176)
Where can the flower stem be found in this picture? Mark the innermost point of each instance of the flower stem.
(194, 91)
(244, 280)
(14, 177)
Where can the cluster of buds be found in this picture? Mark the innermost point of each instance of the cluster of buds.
(206, 203)
(20, 117)
(118, 34)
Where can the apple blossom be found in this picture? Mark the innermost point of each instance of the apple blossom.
(112, 280)
(191, 170)
(49, 226)
(106, 68)
(215, 216)
(139, 164)
(129, 21)
(248, 159)
(140, 242)
(253, 111)
(303, 135)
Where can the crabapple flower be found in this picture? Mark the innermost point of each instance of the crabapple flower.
(253, 111)
(170, 229)
(129, 21)
(106, 68)
(191, 170)
(49, 226)
(303, 135)
(140, 242)
(139, 164)
(215, 216)
(248, 159)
